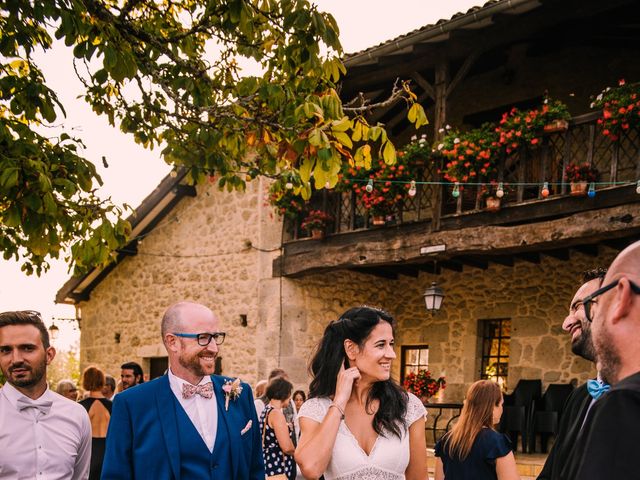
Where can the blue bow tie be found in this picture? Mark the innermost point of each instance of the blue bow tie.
(596, 388)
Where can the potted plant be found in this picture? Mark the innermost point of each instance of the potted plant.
(316, 222)
(525, 127)
(380, 189)
(580, 175)
(470, 156)
(417, 152)
(422, 385)
(620, 108)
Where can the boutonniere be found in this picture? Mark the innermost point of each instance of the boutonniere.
(232, 390)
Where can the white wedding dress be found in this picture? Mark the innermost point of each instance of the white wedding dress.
(389, 457)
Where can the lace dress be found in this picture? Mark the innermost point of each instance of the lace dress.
(389, 457)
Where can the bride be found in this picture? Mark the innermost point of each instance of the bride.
(358, 423)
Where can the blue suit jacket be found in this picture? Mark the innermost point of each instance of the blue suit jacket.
(142, 440)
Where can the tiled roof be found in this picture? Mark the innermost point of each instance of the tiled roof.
(440, 26)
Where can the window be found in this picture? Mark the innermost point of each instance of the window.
(494, 362)
(413, 358)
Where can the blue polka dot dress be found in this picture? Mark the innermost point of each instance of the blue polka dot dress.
(275, 461)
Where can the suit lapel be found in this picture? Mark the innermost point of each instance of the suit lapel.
(165, 401)
(227, 421)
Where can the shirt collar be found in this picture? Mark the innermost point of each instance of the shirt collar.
(13, 394)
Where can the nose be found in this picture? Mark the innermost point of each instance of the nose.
(390, 353)
(569, 322)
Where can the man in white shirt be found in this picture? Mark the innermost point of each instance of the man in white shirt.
(42, 434)
(198, 425)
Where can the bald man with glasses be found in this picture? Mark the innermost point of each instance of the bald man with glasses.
(188, 423)
(609, 442)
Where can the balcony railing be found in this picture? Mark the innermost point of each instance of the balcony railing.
(527, 169)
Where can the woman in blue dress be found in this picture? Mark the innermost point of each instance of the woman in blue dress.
(472, 449)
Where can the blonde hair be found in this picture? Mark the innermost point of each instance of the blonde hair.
(476, 414)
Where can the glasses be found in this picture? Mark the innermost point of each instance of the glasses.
(588, 300)
(204, 339)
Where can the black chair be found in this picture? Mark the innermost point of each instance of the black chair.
(518, 411)
(546, 417)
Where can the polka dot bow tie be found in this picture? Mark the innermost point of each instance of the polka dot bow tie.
(205, 390)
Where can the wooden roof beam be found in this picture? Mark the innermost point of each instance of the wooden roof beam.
(531, 257)
(473, 262)
(590, 250)
(559, 254)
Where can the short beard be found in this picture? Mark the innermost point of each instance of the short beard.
(583, 346)
(37, 373)
(193, 365)
(608, 357)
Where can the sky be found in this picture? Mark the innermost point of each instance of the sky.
(134, 172)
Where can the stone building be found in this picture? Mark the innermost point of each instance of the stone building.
(508, 276)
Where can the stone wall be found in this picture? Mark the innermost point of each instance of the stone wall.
(207, 250)
(534, 296)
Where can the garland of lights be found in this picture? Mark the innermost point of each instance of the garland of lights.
(455, 193)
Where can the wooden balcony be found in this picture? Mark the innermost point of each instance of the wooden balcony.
(525, 227)
(529, 168)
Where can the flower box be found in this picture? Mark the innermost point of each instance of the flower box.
(493, 204)
(558, 125)
(317, 234)
(578, 189)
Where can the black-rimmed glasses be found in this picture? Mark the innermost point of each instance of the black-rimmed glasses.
(589, 299)
(204, 339)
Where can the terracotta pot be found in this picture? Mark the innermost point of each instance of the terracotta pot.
(557, 126)
(317, 234)
(578, 189)
(493, 204)
(379, 220)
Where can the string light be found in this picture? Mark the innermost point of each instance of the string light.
(545, 190)
(327, 185)
(592, 190)
(288, 185)
(173, 174)
(456, 190)
(369, 187)
(500, 190)
(412, 189)
(638, 187)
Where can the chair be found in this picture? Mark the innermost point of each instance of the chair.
(546, 418)
(518, 411)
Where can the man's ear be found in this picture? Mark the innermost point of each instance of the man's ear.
(50, 355)
(171, 342)
(622, 303)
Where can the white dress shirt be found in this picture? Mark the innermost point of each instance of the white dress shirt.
(203, 412)
(54, 446)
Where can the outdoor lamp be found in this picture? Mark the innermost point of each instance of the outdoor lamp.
(53, 330)
(433, 297)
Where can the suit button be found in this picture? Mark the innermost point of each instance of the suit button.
(214, 466)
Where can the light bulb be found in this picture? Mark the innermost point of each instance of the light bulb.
(288, 185)
(412, 189)
(456, 191)
(369, 187)
(545, 190)
(173, 174)
(327, 185)
(638, 187)
(592, 190)
(500, 190)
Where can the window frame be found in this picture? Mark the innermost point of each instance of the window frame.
(403, 363)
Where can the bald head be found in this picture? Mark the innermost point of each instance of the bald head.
(626, 263)
(179, 314)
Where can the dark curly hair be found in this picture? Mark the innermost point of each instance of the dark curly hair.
(356, 325)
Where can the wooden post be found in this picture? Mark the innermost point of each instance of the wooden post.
(440, 87)
(565, 160)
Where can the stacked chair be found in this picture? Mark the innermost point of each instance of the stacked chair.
(518, 412)
(547, 414)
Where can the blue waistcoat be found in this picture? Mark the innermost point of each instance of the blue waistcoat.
(196, 459)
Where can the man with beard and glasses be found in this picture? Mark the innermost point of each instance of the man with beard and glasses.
(609, 441)
(188, 423)
(42, 433)
(583, 397)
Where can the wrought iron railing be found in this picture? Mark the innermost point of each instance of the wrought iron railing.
(526, 169)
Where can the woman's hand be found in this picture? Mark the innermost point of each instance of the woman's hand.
(344, 385)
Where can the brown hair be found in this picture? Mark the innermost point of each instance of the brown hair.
(26, 317)
(477, 413)
(92, 379)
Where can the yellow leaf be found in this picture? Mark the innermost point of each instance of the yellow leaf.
(413, 113)
(343, 138)
(389, 153)
(305, 169)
